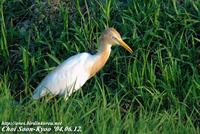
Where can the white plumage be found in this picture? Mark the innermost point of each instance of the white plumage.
(75, 71)
(67, 77)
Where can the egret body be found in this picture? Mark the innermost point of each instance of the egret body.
(72, 74)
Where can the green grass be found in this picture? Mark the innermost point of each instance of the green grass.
(154, 90)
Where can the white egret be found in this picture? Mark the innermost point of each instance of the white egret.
(72, 74)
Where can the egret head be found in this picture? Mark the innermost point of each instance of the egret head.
(112, 37)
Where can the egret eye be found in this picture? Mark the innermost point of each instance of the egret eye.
(113, 38)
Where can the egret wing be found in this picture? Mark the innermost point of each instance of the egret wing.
(66, 78)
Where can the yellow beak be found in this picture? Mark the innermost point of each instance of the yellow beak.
(123, 44)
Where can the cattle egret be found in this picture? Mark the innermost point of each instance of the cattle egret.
(72, 74)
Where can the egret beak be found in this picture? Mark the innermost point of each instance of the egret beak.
(123, 44)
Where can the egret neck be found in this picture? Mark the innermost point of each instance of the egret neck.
(100, 57)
